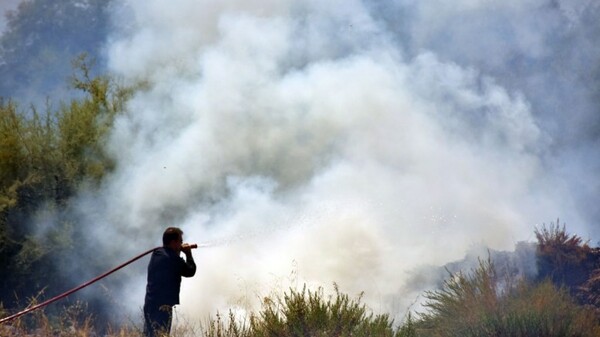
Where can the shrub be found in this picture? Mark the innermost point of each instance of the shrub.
(45, 157)
(473, 305)
(568, 261)
(306, 313)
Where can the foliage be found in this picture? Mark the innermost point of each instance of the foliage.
(568, 261)
(226, 327)
(565, 249)
(408, 329)
(74, 321)
(45, 158)
(473, 305)
(306, 313)
(298, 313)
(462, 300)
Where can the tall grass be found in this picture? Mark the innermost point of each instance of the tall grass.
(74, 321)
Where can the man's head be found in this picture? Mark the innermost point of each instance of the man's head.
(173, 238)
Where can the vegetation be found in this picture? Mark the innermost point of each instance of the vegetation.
(74, 321)
(45, 157)
(306, 313)
(297, 313)
(566, 260)
(475, 305)
(467, 305)
(478, 303)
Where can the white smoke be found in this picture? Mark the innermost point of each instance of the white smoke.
(319, 147)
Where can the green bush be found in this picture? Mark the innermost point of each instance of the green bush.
(45, 157)
(306, 313)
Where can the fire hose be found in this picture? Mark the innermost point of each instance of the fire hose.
(83, 285)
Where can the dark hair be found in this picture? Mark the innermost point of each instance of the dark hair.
(171, 234)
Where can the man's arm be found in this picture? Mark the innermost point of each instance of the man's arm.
(188, 267)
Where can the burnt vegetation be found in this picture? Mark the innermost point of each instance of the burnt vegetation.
(567, 261)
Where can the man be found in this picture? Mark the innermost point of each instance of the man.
(165, 270)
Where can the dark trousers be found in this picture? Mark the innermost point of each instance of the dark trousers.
(157, 320)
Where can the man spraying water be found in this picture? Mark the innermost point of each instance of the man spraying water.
(165, 270)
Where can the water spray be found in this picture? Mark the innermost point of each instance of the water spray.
(83, 285)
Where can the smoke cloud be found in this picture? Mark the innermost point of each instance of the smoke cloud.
(350, 142)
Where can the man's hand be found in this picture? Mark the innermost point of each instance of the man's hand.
(186, 248)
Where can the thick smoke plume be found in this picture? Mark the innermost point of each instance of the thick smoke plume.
(341, 141)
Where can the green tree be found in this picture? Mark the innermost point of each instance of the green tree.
(45, 159)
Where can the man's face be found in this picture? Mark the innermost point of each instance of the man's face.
(176, 244)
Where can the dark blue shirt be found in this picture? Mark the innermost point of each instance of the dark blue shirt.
(165, 270)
